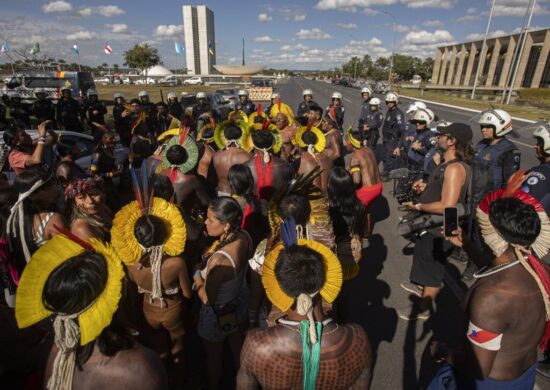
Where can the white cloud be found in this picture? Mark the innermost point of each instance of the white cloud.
(423, 43)
(433, 23)
(314, 33)
(517, 8)
(82, 36)
(109, 10)
(299, 18)
(57, 6)
(168, 30)
(263, 17)
(102, 10)
(265, 39)
(445, 4)
(299, 46)
(347, 26)
(402, 28)
(350, 5)
(119, 28)
(479, 37)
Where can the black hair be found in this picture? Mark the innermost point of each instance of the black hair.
(343, 202)
(263, 139)
(176, 155)
(297, 207)
(10, 135)
(358, 135)
(300, 270)
(163, 187)
(150, 231)
(232, 132)
(208, 132)
(161, 104)
(309, 138)
(317, 109)
(517, 222)
(302, 120)
(227, 210)
(72, 287)
(464, 152)
(241, 182)
(135, 101)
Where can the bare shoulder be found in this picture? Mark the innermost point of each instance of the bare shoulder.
(147, 370)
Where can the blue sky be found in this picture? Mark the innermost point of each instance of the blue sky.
(317, 34)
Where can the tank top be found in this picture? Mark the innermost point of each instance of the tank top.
(434, 186)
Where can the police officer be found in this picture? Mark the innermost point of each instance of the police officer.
(306, 104)
(495, 160)
(245, 104)
(338, 108)
(95, 111)
(267, 110)
(121, 116)
(174, 107)
(366, 94)
(68, 112)
(200, 107)
(163, 120)
(423, 140)
(372, 121)
(42, 108)
(150, 110)
(434, 156)
(17, 110)
(392, 130)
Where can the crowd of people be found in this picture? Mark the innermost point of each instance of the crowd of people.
(213, 257)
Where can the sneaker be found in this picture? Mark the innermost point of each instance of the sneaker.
(412, 288)
(413, 313)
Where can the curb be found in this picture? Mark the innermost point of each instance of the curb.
(461, 108)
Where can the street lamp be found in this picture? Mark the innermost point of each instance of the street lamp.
(483, 45)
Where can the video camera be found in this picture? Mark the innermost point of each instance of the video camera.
(403, 179)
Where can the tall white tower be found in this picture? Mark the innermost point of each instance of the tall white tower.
(200, 39)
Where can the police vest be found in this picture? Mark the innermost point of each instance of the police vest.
(487, 167)
(393, 123)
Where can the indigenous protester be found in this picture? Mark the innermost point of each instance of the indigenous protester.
(306, 346)
(23, 152)
(80, 283)
(207, 148)
(67, 169)
(334, 140)
(220, 283)
(315, 116)
(508, 307)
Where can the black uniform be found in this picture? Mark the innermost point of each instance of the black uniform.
(162, 124)
(20, 113)
(392, 130)
(365, 110)
(199, 109)
(374, 120)
(69, 114)
(248, 107)
(175, 109)
(43, 110)
(304, 107)
(3, 120)
(122, 125)
(95, 112)
(538, 185)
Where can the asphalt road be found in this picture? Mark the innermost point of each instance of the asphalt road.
(401, 348)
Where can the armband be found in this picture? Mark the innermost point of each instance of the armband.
(93, 166)
(354, 169)
(483, 338)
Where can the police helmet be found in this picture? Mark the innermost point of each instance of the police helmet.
(500, 120)
(307, 92)
(201, 95)
(542, 132)
(91, 92)
(336, 95)
(366, 90)
(143, 93)
(243, 92)
(375, 101)
(415, 106)
(118, 95)
(65, 89)
(274, 95)
(424, 115)
(172, 95)
(391, 97)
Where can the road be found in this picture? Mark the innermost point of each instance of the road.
(401, 348)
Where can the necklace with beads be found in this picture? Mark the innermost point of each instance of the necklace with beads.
(291, 325)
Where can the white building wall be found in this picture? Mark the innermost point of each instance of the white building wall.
(200, 62)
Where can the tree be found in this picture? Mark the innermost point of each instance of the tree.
(141, 56)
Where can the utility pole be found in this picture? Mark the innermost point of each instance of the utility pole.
(483, 46)
(243, 51)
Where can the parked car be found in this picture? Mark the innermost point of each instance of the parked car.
(149, 81)
(84, 142)
(103, 80)
(195, 80)
(122, 80)
(216, 101)
(261, 83)
(230, 94)
(169, 80)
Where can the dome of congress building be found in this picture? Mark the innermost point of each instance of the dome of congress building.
(239, 69)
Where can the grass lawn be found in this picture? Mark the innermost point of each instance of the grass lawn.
(106, 92)
(527, 112)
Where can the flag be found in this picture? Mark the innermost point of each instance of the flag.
(74, 49)
(210, 50)
(107, 49)
(178, 47)
(36, 48)
(4, 48)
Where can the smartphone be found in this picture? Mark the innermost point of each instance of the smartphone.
(450, 218)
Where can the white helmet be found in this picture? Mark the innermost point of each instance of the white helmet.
(118, 95)
(307, 92)
(366, 90)
(201, 95)
(543, 132)
(242, 92)
(415, 106)
(336, 95)
(375, 101)
(274, 95)
(499, 119)
(172, 95)
(424, 115)
(143, 93)
(91, 92)
(391, 97)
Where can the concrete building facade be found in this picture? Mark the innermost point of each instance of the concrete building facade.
(200, 39)
(456, 65)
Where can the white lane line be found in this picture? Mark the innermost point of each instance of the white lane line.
(348, 100)
(461, 108)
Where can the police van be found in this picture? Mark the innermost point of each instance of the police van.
(25, 83)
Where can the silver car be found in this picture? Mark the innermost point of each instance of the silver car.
(231, 95)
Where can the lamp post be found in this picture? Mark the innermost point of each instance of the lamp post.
(482, 54)
(393, 42)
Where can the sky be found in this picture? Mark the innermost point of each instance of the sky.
(316, 34)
